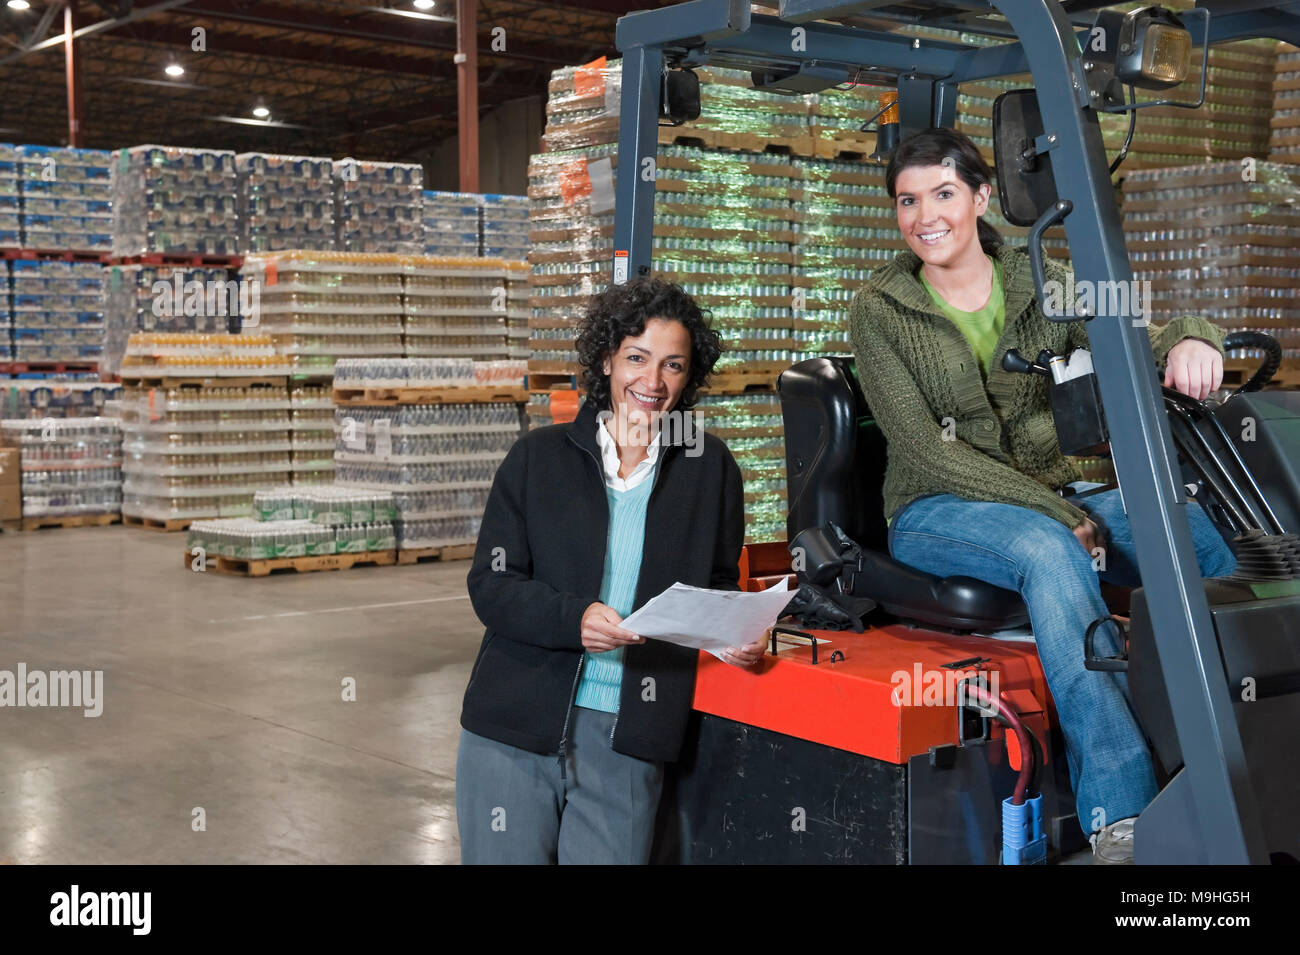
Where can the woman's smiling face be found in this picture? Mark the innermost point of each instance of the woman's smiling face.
(938, 213)
(649, 372)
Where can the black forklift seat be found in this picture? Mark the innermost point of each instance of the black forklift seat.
(835, 466)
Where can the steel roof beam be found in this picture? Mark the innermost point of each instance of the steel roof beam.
(291, 18)
(139, 13)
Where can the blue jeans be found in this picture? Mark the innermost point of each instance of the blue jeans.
(1020, 549)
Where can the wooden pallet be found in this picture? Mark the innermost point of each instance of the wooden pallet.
(154, 524)
(60, 255)
(191, 259)
(736, 142)
(427, 396)
(68, 520)
(141, 379)
(418, 555)
(240, 567)
(48, 367)
(845, 148)
(739, 382)
(548, 381)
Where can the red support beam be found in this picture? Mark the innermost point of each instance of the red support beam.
(72, 71)
(467, 91)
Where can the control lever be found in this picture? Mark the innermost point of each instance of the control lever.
(1015, 362)
(1076, 402)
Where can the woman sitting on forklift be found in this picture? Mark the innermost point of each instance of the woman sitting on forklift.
(975, 472)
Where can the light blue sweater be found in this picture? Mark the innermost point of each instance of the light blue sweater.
(602, 673)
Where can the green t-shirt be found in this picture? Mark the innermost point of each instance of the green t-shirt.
(983, 328)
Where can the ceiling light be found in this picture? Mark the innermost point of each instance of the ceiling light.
(423, 4)
(174, 69)
(24, 5)
(261, 112)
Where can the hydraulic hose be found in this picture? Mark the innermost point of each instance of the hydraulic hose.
(1008, 717)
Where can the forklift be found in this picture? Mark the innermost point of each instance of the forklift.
(813, 759)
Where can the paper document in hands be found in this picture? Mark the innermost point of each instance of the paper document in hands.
(709, 619)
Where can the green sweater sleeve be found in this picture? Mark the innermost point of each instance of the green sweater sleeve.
(916, 440)
(1163, 337)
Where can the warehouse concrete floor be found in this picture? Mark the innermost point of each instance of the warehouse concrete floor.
(226, 695)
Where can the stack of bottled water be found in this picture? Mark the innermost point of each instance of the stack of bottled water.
(58, 310)
(379, 206)
(45, 398)
(268, 540)
(328, 505)
(285, 202)
(437, 460)
(453, 223)
(173, 199)
(200, 452)
(456, 306)
(312, 432)
(163, 298)
(505, 227)
(428, 373)
(321, 306)
(518, 310)
(294, 521)
(69, 465)
(66, 198)
(11, 203)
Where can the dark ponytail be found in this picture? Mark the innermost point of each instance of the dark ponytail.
(932, 148)
(990, 238)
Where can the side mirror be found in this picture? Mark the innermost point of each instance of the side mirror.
(1026, 184)
(680, 102)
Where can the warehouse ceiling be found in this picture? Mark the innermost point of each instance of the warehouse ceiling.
(373, 80)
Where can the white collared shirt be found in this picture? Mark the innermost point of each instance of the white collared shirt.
(610, 461)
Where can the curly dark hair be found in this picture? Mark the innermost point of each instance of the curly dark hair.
(622, 311)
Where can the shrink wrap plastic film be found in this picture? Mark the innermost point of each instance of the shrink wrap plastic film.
(1219, 241)
(69, 466)
(65, 195)
(285, 202)
(438, 461)
(54, 311)
(169, 199)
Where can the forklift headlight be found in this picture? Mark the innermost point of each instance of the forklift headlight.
(1155, 50)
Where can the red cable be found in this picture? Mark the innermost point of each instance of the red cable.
(1012, 719)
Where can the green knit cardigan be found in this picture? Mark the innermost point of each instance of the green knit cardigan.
(917, 370)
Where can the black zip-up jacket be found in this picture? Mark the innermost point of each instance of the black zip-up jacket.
(539, 565)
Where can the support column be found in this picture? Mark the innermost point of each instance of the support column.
(72, 72)
(467, 92)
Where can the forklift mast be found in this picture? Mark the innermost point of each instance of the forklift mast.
(1208, 812)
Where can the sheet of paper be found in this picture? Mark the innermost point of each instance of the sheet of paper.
(709, 620)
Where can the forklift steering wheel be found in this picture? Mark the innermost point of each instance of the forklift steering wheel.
(1272, 358)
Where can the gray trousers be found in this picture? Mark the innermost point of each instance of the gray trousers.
(513, 807)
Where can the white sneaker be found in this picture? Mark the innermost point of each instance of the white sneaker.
(1113, 845)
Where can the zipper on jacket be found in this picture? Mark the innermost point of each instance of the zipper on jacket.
(573, 692)
(564, 733)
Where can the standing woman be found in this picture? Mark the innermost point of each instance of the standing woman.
(568, 718)
(975, 470)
